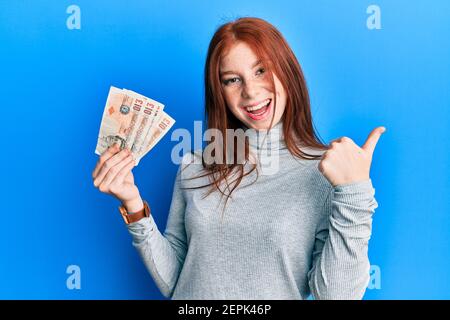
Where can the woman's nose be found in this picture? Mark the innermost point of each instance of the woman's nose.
(250, 89)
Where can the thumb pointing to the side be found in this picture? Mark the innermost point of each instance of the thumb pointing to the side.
(373, 138)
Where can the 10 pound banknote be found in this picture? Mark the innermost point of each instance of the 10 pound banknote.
(133, 121)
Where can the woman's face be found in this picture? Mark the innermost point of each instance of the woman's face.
(247, 88)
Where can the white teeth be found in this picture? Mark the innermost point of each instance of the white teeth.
(259, 106)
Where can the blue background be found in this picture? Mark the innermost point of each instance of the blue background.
(54, 85)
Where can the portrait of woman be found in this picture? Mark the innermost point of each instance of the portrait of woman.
(234, 233)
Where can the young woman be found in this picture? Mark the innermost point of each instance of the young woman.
(302, 229)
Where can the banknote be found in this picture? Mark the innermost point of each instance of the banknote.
(116, 121)
(137, 102)
(155, 111)
(155, 134)
(133, 121)
(151, 113)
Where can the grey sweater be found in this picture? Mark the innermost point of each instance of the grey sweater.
(286, 236)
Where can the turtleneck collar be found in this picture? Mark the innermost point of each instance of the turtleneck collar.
(266, 140)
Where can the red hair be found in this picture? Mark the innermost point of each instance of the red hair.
(272, 49)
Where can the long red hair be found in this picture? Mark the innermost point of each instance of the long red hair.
(270, 47)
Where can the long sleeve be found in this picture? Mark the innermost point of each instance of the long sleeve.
(340, 267)
(163, 254)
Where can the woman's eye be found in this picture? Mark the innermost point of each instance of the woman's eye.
(231, 80)
(260, 71)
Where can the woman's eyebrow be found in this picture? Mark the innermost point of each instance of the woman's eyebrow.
(233, 72)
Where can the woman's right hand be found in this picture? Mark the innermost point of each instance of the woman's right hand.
(112, 175)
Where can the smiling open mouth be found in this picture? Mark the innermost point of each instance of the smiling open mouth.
(259, 111)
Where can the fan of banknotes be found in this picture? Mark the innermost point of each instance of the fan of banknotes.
(133, 121)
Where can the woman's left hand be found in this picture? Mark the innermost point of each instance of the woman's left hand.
(345, 162)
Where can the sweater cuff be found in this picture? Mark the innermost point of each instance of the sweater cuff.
(142, 227)
(355, 190)
(354, 202)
